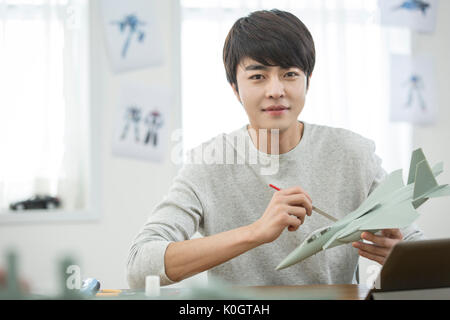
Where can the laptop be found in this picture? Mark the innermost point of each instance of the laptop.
(415, 266)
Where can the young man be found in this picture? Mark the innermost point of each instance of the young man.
(269, 58)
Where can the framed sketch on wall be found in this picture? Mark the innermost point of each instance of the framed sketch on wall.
(418, 15)
(141, 122)
(412, 97)
(132, 33)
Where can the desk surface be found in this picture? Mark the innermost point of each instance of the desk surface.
(321, 291)
(308, 292)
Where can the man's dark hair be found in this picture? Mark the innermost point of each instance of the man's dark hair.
(271, 37)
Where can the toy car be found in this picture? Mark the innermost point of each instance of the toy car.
(36, 202)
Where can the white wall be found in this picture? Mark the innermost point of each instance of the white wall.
(435, 140)
(129, 188)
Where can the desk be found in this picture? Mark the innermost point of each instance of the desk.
(308, 292)
(325, 291)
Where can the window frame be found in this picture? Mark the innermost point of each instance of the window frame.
(93, 208)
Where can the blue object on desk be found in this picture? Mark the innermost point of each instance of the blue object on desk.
(90, 287)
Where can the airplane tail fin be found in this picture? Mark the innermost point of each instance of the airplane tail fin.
(416, 157)
(425, 181)
(426, 185)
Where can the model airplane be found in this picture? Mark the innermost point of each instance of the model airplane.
(414, 5)
(391, 205)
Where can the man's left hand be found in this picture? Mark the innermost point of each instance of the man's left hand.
(382, 244)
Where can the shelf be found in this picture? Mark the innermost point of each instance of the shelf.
(55, 215)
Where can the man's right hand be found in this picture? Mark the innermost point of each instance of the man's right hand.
(288, 208)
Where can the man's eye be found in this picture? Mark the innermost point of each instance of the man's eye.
(256, 77)
(291, 74)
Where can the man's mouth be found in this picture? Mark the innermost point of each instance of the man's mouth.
(276, 108)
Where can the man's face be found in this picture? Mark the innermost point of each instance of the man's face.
(273, 97)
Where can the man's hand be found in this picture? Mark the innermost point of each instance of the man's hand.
(382, 245)
(287, 208)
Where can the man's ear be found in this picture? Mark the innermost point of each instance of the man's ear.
(236, 92)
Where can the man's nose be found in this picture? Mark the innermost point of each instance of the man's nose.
(275, 88)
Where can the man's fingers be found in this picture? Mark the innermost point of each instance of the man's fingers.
(300, 200)
(370, 252)
(392, 233)
(382, 245)
(294, 223)
(299, 212)
(381, 241)
(372, 249)
(371, 256)
(295, 190)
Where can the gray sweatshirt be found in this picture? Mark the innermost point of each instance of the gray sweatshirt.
(224, 184)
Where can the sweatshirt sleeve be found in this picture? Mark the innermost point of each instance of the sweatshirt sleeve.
(176, 218)
(411, 232)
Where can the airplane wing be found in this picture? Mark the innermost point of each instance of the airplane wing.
(398, 216)
(441, 191)
(390, 184)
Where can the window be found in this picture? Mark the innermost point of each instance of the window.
(44, 114)
(349, 86)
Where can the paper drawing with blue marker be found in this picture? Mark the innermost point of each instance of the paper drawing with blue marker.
(416, 85)
(418, 15)
(133, 34)
(414, 5)
(130, 26)
(132, 118)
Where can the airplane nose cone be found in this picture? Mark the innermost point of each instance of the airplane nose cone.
(287, 262)
(279, 267)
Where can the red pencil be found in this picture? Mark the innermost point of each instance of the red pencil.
(271, 185)
(314, 208)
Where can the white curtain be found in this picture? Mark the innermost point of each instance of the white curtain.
(349, 86)
(43, 100)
